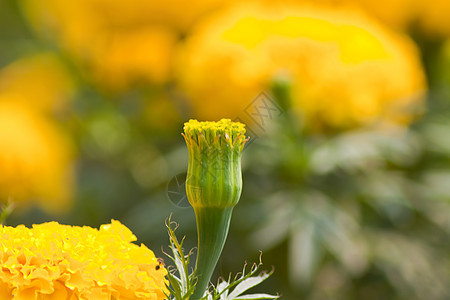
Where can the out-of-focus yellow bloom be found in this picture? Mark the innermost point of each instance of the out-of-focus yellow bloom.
(117, 43)
(177, 14)
(430, 16)
(35, 158)
(142, 55)
(53, 261)
(434, 17)
(396, 13)
(39, 81)
(346, 70)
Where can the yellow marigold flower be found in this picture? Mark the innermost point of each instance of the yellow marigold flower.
(398, 14)
(434, 17)
(35, 158)
(431, 16)
(40, 81)
(118, 43)
(177, 14)
(54, 261)
(346, 70)
(138, 55)
(395, 13)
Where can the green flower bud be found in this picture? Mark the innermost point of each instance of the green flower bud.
(214, 171)
(213, 187)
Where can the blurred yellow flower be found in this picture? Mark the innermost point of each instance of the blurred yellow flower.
(117, 43)
(176, 14)
(35, 158)
(431, 16)
(434, 17)
(53, 261)
(346, 70)
(142, 55)
(396, 13)
(39, 81)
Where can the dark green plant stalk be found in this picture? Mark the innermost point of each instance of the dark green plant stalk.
(213, 187)
(212, 228)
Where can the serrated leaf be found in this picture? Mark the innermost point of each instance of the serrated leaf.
(222, 288)
(181, 287)
(247, 284)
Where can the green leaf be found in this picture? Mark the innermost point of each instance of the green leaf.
(181, 287)
(247, 284)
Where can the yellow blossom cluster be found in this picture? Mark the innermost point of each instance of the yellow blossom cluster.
(39, 81)
(430, 17)
(117, 43)
(434, 16)
(35, 159)
(346, 70)
(36, 156)
(53, 261)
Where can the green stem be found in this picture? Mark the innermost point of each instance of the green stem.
(212, 228)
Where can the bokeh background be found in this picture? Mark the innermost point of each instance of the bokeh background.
(347, 173)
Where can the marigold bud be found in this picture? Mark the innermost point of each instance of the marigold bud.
(213, 187)
(214, 172)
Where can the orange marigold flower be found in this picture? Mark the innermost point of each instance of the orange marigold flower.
(118, 45)
(35, 160)
(39, 81)
(54, 261)
(345, 69)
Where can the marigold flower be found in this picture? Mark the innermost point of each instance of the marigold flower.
(177, 14)
(434, 17)
(35, 158)
(119, 43)
(429, 16)
(213, 187)
(39, 81)
(395, 13)
(346, 70)
(54, 261)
